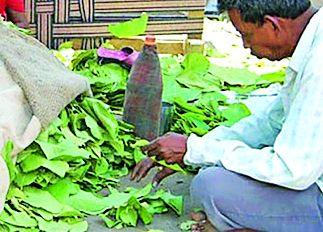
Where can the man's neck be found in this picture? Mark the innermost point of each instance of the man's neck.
(299, 24)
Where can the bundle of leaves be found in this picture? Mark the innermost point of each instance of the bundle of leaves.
(194, 85)
(210, 111)
(56, 181)
(191, 83)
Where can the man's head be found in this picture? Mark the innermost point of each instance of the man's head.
(271, 29)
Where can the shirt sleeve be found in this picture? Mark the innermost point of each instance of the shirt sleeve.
(295, 160)
(16, 5)
(255, 131)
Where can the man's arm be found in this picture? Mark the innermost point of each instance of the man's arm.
(256, 131)
(295, 160)
(172, 147)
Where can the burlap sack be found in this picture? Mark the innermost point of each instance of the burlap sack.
(34, 88)
(47, 84)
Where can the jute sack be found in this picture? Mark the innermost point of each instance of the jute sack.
(48, 86)
(34, 88)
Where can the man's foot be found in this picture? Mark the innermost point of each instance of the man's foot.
(202, 224)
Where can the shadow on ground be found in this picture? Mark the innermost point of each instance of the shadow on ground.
(178, 184)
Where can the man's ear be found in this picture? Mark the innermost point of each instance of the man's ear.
(274, 21)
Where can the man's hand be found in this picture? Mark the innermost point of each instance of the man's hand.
(142, 168)
(170, 147)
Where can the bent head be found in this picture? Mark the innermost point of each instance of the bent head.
(269, 28)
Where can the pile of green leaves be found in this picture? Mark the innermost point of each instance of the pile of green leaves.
(191, 83)
(194, 75)
(108, 81)
(57, 180)
(210, 111)
(194, 85)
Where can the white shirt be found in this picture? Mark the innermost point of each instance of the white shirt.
(283, 145)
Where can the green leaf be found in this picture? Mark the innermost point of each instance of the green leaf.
(174, 167)
(234, 76)
(142, 192)
(25, 179)
(145, 216)
(50, 226)
(44, 214)
(33, 162)
(15, 192)
(66, 45)
(171, 66)
(42, 199)
(195, 73)
(108, 222)
(235, 113)
(138, 155)
(156, 207)
(65, 150)
(16, 218)
(275, 77)
(62, 189)
(128, 214)
(89, 203)
(175, 202)
(187, 225)
(101, 167)
(196, 62)
(130, 28)
(81, 226)
(96, 131)
(172, 90)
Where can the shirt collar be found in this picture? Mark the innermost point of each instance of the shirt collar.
(305, 43)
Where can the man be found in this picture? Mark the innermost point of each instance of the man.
(14, 11)
(266, 172)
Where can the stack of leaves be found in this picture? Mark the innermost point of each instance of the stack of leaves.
(108, 81)
(194, 86)
(210, 111)
(191, 83)
(56, 181)
(197, 73)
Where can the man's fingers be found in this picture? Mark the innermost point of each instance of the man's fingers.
(161, 175)
(143, 173)
(171, 160)
(141, 169)
(135, 171)
(151, 146)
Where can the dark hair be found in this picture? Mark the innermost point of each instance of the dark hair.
(255, 10)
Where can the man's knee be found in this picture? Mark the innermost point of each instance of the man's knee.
(210, 184)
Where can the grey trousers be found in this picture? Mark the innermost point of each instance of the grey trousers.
(232, 201)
